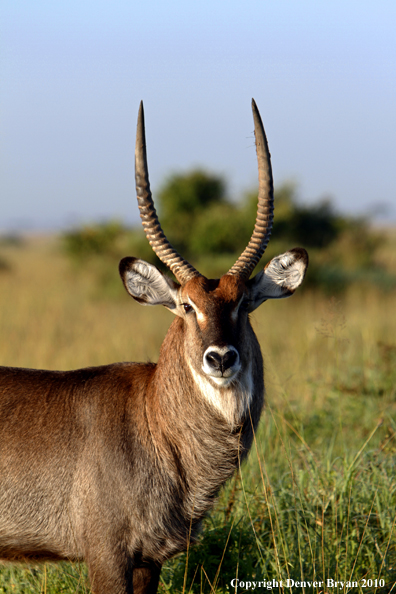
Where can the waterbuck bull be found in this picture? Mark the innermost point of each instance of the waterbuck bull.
(117, 465)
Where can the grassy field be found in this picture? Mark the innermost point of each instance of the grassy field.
(316, 500)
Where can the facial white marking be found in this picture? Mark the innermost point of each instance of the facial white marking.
(200, 316)
(231, 400)
(235, 311)
(221, 379)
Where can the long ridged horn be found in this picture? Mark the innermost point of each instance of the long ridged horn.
(248, 260)
(182, 270)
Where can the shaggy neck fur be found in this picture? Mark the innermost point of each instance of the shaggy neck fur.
(200, 432)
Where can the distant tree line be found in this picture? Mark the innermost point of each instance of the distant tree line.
(210, 230)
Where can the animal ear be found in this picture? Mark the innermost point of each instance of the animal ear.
(280, 278)
(147, 284)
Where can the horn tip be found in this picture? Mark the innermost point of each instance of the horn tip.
(141, 111)
(140, 133)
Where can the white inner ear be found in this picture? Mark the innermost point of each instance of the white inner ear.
(280, 278)
(149, 286)
(285, 271)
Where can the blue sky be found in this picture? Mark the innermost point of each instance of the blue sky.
(322, 73)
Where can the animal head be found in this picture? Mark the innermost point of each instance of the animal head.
(214, 312)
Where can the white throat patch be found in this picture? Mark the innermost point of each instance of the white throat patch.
(232, 400)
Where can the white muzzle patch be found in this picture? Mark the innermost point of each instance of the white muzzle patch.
(221, 364)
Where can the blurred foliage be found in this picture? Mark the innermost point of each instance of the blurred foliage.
(211, 231)
(94, 240)
(183, 199)
(11, 240)
(98, 247)
(4, 265)
(8, 241)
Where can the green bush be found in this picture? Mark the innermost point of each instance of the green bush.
(211, 231)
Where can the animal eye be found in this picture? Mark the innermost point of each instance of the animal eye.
(187, 307)
(245, 305)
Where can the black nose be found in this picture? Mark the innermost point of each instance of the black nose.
(221, 362)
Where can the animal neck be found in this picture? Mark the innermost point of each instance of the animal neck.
(200, 434)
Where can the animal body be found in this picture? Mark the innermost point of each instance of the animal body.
(118, 464)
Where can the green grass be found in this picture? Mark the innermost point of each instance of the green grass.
(299, 515)
(48, 578)
(316, 498)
